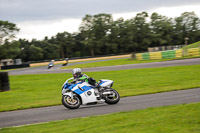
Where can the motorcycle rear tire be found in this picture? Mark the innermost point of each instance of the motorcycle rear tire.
(112, 101)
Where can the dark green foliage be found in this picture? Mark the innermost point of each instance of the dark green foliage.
(101, 35)
(10, 50)
(7, 31)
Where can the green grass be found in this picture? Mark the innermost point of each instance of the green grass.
(193, 45)
(112, 63)
(184, 118)
(3, 70)
(28, 91)
(120, 62)
(128, 61)
(10, 69)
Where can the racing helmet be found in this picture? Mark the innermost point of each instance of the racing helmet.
(76, 72)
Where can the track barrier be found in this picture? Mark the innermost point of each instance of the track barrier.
(168, 54)
(4, 82)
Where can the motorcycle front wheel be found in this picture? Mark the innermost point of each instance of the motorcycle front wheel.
(111, 98)
(70, 103)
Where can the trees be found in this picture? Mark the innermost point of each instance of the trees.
(115, 37)
(140, 31)
(10, 50)
(35, 53)
(7, 31)
(101, 35)
(187, 25)
(64, 43)
(95, 28)
(161, 30)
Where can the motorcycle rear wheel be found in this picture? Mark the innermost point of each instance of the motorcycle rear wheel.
(70, 103)
(111, 99)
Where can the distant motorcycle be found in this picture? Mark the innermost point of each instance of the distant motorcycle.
(51, 64)
(65, 62)
(83, 93)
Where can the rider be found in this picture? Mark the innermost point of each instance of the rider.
(65, 62)
(51, 64)
(78, 76)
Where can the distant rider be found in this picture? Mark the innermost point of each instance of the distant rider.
(51, 64)
(65, 62)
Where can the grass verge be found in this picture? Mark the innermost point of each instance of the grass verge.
(29, 91)
(119, 62)
(193, 45)
(184, 118)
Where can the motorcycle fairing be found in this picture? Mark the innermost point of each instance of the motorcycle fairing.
(105, 82)
(81, 89)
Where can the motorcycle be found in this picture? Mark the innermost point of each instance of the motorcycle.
(83, 93)
(51, 64)
(65, 62)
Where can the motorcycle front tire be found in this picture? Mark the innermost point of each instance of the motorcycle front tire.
(68, 104)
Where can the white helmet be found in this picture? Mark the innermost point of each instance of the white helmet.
(76, 72)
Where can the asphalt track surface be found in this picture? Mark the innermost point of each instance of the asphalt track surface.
(55, 69)
(54, 113)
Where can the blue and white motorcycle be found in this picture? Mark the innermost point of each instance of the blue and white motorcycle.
(83, 93)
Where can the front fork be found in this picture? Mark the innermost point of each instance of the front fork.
(71, 94)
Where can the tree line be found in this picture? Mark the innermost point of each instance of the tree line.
(101, 35)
